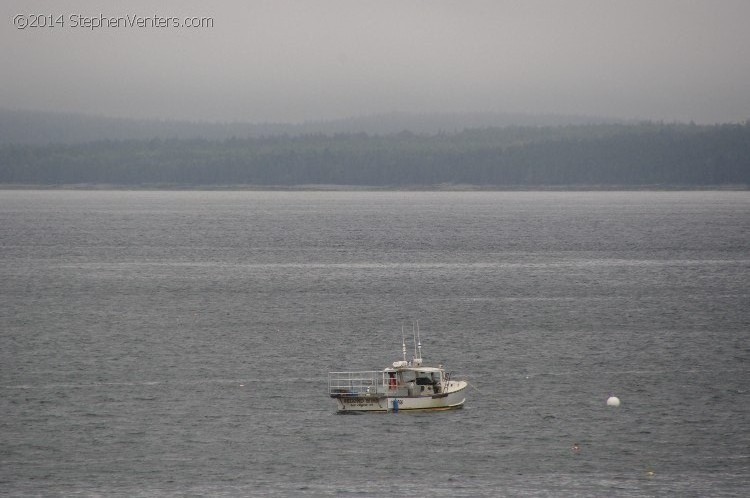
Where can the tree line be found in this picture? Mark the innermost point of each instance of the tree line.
(645, 154)
(42, 128)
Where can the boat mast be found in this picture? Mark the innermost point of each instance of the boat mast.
(403, 343)
(414, 336)
(419, 343)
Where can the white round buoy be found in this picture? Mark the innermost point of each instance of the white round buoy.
(613, 401)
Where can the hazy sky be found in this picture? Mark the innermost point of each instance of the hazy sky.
(281, 60)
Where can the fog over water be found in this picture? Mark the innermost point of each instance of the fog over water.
(293, 61)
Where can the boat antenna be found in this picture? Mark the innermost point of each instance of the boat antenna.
(419, 343)
(414, 336)
(403, 342)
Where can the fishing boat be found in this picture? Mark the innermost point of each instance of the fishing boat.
(406, 385)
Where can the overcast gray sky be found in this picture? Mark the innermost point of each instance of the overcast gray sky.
(282, 60)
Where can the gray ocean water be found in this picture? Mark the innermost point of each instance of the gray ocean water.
(177, 343)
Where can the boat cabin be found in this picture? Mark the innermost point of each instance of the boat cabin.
(420, 381)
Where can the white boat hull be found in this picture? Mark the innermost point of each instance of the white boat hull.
(453, 398)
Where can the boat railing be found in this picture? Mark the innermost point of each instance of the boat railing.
(345, 384)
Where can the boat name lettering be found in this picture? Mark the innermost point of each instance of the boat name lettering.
(359, 401)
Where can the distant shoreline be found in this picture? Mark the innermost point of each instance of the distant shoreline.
(371, 188)
(646, 156)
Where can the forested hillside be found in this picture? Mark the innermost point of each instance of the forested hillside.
(645, 154)
(44, 128)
